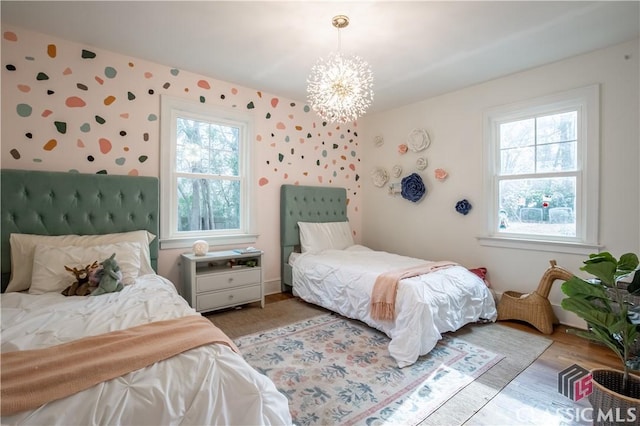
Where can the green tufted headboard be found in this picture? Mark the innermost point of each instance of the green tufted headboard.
(60, 203)
(305, 204)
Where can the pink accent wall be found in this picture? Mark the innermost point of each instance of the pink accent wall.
(73, 107)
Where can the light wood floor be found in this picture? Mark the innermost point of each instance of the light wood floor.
(533, 397)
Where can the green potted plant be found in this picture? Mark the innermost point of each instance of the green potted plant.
(612, 318)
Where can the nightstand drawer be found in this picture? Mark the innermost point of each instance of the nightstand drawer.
(223, 280)
(231, 297)
(209, 283)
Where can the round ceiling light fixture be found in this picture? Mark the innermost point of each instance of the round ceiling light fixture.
(340, 87)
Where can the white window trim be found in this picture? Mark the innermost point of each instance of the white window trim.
(170, 109)
(587, 99)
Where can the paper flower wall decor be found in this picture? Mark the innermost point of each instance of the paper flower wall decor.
(402, 148)
(421, 163)
(379, 177)
(378, 141)
(463, 206)
(413, 188)
(396, 171)
(441, 174)
(418, 140)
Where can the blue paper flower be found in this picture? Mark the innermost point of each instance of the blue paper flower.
(413, 188)
(463, 206)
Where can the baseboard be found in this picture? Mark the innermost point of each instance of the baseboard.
(272, 287)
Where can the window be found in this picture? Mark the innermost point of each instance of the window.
(542, 172)
(205, 178)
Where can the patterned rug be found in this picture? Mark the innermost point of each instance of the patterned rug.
(338, 371)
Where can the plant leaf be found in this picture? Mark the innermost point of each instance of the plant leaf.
(603, 269)
(599, 336)
(578, 287)
(605, 306)
(605, 256)
(588, 312)
(628, 263)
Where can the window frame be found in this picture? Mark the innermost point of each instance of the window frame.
(586, 101)
(171, 109)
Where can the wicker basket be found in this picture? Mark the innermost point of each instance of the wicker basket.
(530, 307)
(609, 406)
(534, 307)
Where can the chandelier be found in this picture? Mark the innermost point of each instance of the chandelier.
(340, 87)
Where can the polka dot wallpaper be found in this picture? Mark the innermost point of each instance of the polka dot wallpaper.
(78, 108)
(73, 107)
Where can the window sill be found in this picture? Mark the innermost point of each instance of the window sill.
(226, 240)
(540, 245)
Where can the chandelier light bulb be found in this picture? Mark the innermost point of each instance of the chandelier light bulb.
(340, 88)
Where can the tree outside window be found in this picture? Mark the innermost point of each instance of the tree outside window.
(543, 146)
(542, 172)
(206, 175)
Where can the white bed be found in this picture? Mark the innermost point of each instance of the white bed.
(206, 385)
(426, 306)
(322, 265)
(50, 220)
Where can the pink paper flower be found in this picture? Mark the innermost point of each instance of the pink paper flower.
(403, 148)
(441, 174)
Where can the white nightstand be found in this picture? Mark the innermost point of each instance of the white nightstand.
(221, 279)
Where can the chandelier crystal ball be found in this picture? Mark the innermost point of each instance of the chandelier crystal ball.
(340, 87)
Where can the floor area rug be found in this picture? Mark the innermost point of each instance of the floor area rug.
(337, 371)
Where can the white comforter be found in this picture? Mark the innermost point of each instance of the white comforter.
(426, 306)
(203, 386)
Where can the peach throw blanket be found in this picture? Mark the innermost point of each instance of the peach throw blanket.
(383, 297)
(32, 378)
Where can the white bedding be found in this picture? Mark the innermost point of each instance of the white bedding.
(203, 386)
(426, 306)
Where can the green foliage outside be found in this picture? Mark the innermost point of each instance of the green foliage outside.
(209, 191)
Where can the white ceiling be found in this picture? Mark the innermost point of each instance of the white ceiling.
(417, 49)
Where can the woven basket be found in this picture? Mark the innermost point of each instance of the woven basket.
(531, 308)
(534, 307)
(609, 406)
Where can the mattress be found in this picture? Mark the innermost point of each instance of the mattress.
(426, 306)
(210, 384)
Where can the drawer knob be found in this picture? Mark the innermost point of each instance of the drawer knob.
(230, 296)
(230, 279)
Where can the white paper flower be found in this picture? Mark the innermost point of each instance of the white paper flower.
(379, 177)
(378, 141)
(421, 163)
(396, 171)
(418, 140)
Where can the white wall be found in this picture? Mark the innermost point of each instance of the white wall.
(432, 229)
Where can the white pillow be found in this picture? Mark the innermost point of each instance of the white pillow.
(23, 247)
(49, 274)
(316, 236)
